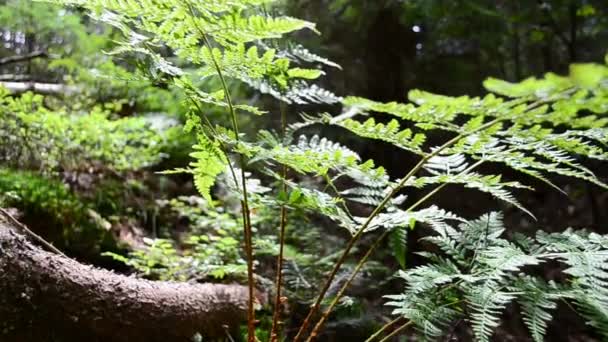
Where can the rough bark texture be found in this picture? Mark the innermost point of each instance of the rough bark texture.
(47, 297)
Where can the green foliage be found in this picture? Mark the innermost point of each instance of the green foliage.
(546, 130)
(32, 136)
(40, 196)
(189, 28)
(62, 216)
(212, 252)
(479, 272)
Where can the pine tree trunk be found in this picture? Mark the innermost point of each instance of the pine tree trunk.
(48, 297)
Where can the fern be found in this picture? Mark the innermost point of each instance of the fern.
(486, 272)
(209, 162)
(538, 301)
(540, 127)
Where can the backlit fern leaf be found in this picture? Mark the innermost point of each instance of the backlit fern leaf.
(320, 155)
(433, 216)
(389, 132)
(208, 164)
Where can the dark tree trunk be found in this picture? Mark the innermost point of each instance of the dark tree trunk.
(48, 297)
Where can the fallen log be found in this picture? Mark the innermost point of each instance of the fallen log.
(48, 297)
(40, 88)
(23, 58)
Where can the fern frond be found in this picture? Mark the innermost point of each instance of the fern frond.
(430, 316)
(397, 241)
(208, 164)
(390, 132)
(490, 184)
(497, 261)
(487, 303)
(446, 164)
(538, 298)
(433, 216)
(300, 53)
(320, 155)
(426, 277)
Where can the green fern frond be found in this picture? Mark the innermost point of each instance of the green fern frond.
(397, 241)
(430, 316)
(538, 298)
(299, 53)
(490, 184)
(498, 261)
(209, 162)
(433, 216)
(319, 202)
(487, 303)
(320, 155)
(485, 272)
(426, 277)
(389, 132)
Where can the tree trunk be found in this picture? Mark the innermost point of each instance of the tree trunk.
(48, 297)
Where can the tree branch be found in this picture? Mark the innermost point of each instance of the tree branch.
(41, 88)
(23, 58)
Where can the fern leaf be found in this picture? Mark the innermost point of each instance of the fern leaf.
(537, 300)
(208, 164)
(404, 139)
(487, 303)
(398, 244)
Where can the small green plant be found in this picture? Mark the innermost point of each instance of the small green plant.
(479, 272)
(213, 250)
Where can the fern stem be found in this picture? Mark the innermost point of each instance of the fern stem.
(437, 189)
(369, 219)
(317, 328)
(244, 202)
(383, 328)
(396, 331)
(279, 277)
(369, 252)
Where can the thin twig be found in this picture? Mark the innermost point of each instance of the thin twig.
(31, 234)
(383, 328)
(396, 331)
(244, 202)
(283, 224)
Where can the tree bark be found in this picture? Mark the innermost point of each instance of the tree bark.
(48, 297)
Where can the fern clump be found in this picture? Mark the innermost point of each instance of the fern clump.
(540, 127)
(479, 272)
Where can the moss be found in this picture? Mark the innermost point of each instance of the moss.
(53, 210)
